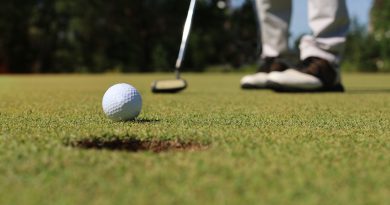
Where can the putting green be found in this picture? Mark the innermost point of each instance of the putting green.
(250, 147)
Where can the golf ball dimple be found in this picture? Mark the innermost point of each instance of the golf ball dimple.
(122, 102)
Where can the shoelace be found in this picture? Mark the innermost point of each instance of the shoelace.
(319, 68)
(272, 64)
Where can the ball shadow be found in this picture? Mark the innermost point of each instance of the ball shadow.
(144, 121)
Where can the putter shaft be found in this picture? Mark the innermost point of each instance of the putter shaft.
(186, 31)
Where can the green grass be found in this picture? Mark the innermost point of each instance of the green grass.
(264, 147)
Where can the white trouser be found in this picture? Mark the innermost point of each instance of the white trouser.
(328, 20)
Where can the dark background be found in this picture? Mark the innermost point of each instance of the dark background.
(66, 36)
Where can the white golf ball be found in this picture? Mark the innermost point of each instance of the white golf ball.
(122, 102)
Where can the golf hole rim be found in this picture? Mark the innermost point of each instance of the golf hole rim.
(135, 145)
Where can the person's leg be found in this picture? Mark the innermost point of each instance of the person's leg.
(274, 17)
(329, 22)
(320, 52)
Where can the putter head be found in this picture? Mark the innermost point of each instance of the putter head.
(168, 86)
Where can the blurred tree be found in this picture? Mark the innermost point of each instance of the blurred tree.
(245, 35)
(128, 36)
(222, 35)
(361, 49)
(370, 51)
(15, 47)
(380, 29)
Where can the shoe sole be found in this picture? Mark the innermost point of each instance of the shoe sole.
(252, 87)
(338, 88)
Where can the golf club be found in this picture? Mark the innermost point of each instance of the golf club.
(178, 84)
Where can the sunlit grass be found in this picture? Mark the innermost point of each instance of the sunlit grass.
(260, 147)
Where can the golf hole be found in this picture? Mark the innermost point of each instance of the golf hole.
(136, 145)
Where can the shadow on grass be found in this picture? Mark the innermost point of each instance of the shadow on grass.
(368, 91)
(347, 91)
(131, 144)
(144, 121)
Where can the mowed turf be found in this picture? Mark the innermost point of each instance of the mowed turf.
(259, 147)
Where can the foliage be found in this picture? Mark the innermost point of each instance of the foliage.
(96, 36)
(370, 51)
(381, 32)
(361, 52)
(55, 36)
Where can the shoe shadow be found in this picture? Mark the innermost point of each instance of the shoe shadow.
(367, 91)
